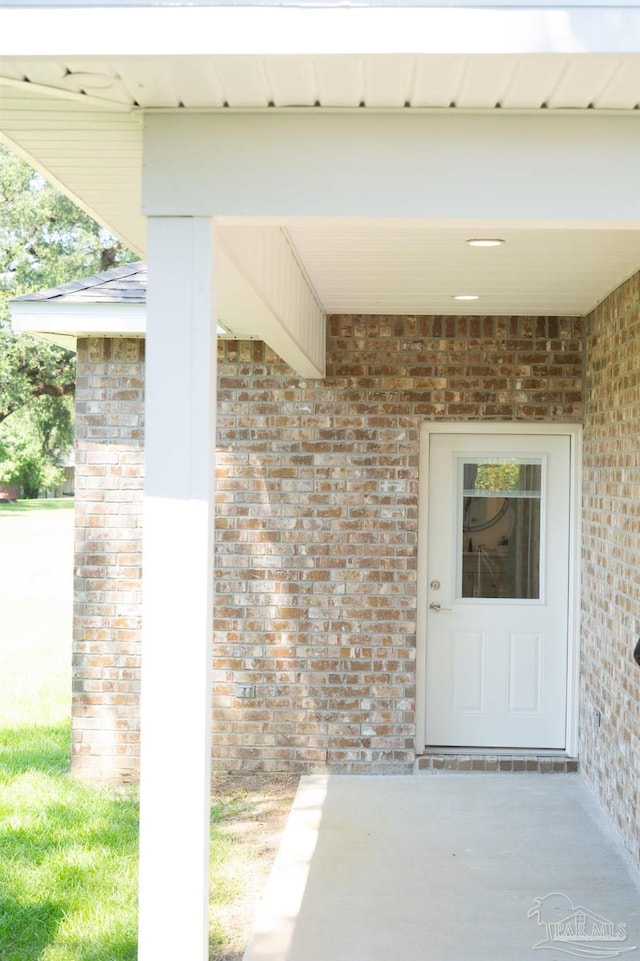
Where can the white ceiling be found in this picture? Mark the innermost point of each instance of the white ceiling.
(399, 268)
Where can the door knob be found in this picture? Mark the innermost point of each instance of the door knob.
(435, 607)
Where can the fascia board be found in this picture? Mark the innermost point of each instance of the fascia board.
(63, 323)
(79, 320)
(40, 30)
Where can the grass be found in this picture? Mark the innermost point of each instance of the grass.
(37, 504)
(68, 856)
(69, 853)
(68, 849)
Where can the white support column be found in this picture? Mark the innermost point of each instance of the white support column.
(177, 591)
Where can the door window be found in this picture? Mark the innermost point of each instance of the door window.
(499, 528)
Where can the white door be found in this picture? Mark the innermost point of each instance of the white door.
(497, 590)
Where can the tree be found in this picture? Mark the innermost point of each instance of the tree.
(30, 457)
(45, 240)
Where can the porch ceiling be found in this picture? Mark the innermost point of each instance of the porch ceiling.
(388, 268)
(76, 109)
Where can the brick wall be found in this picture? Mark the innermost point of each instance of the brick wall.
(108, 499)
(316, 531)
(611, 559)
(317, 523)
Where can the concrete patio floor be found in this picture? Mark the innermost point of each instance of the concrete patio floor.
(448, 867)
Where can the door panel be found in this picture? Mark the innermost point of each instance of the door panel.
(498, 575)
(467, 672)
(524, 658)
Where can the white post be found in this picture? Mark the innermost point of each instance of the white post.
(177, 591)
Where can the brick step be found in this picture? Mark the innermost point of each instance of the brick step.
(516, 763)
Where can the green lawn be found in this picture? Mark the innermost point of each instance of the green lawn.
(37, 504)
(68, 856)
(68, 850)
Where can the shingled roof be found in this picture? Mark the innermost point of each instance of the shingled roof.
(109, 304)
(126, 284)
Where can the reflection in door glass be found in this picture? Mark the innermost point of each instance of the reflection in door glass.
(500, 525)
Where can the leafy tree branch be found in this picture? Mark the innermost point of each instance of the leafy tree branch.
(45, 240)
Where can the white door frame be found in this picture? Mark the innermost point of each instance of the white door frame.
(574, 432)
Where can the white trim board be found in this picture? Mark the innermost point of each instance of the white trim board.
(110, 30)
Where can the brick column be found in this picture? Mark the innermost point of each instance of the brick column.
(610, 692)
(109, 476)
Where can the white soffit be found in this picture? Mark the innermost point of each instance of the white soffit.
(479, 81)
(93, 153)
(398, 267)
(260, 265)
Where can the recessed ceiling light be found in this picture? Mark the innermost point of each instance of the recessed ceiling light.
(466, 297)
(485, 242)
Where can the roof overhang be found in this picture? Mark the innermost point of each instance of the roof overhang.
(63, 324)
(75, 103)
(304, 29)
(263, 293)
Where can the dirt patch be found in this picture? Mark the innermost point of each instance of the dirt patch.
(258, 806)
